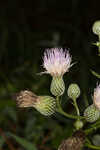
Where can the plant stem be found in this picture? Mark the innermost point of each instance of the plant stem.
(76, 106)
(60, 110)
(92, 146)
(85, 100)
(93, 127)
(99, 45)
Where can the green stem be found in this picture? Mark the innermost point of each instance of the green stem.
(60, 110)
(76, 106)
(85, 100)
(92, 146)
(99, 50)
(99, 37)
(87, 141)
(93, 127)
(99, 45)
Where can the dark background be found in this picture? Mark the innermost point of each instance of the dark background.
(26, 29)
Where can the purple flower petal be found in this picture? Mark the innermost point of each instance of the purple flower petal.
(56, 61)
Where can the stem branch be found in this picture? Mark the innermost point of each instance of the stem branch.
(93, 127)
(60, 110)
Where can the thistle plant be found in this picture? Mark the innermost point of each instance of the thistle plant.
(57, 62)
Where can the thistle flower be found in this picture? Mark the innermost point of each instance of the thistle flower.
(96, 97)
(56, 61)
(46, 105)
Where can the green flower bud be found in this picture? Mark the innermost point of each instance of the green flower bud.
(46, 105)
(96, 27)
(91, 113)
(73, 91)
(78, 124)
(57, 86)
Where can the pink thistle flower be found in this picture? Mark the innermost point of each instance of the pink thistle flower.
(56, 61)
(96, 97)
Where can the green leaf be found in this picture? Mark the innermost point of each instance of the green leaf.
(27, 145)
(95, 74)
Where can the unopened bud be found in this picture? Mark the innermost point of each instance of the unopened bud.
(78, 124)
(57, 86)
(73, 91)
(46, 105)
(96, 27)
(91, 113)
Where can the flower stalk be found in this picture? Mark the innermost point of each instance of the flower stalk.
(93, 127)
(60, 110)
(76, 107)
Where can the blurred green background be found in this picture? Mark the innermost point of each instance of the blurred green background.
(26, 29)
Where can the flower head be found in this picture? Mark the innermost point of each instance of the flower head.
(56, 61)
(96, 97)
(75, 142)
(46, 105)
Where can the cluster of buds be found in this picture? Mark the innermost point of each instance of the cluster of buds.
(56, 62)
(92, 112)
